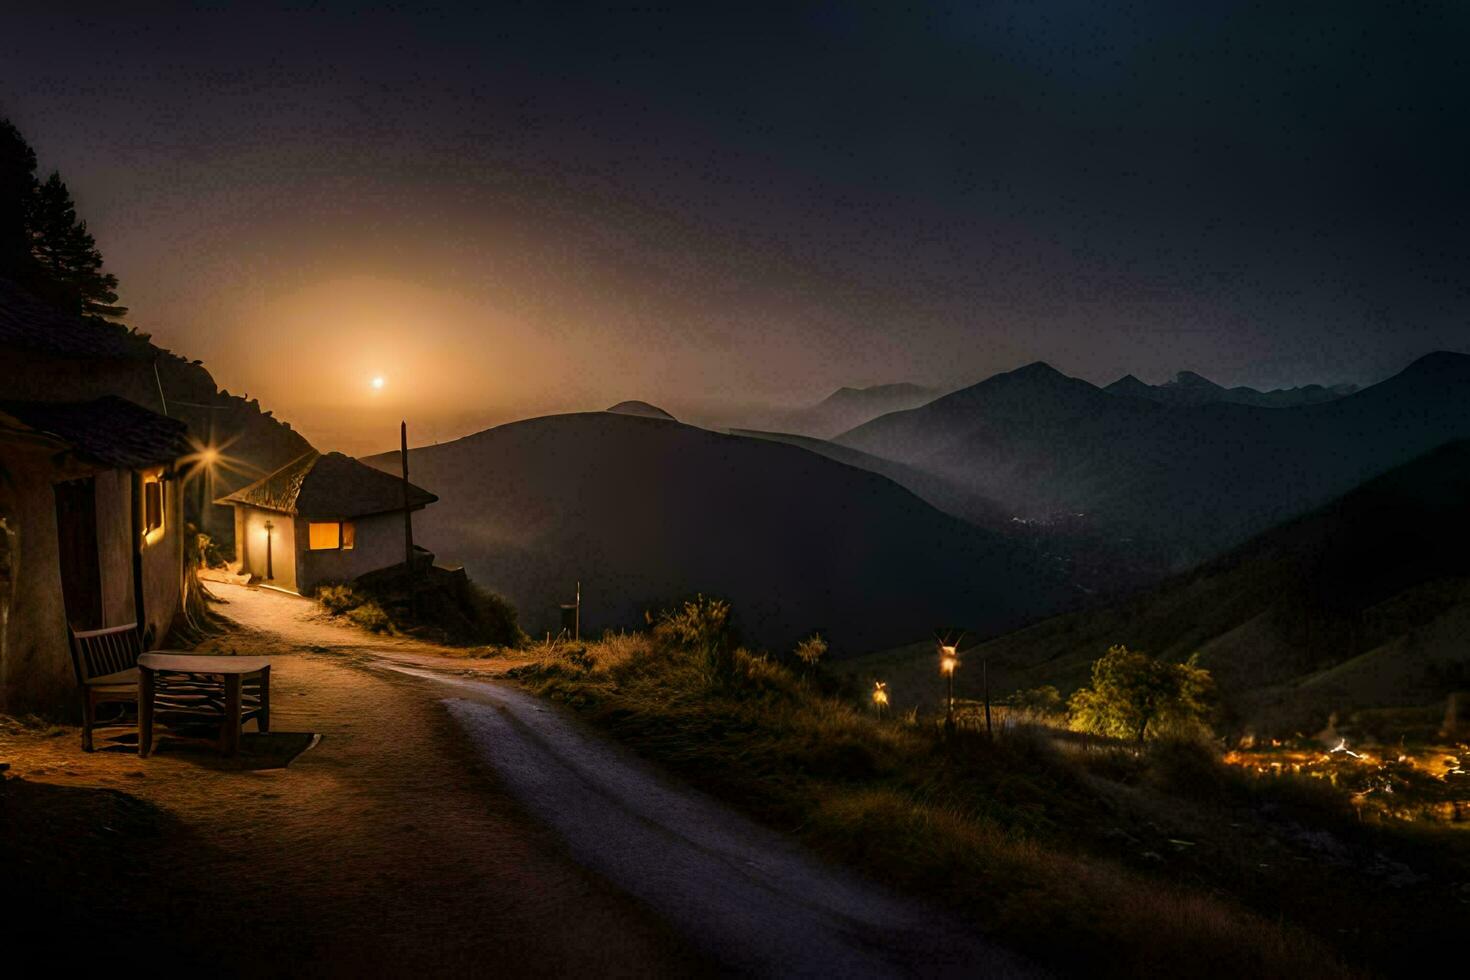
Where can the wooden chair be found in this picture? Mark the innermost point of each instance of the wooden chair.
(106, 664)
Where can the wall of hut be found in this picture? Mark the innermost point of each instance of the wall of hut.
(379, 544)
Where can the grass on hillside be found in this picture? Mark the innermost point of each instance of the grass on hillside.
(1084, 854)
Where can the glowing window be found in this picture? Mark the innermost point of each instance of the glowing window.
(349, 535)
(152, 504)
(325, 536)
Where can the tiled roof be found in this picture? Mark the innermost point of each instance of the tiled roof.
(331, 486)
(28, 324)
(108, 430)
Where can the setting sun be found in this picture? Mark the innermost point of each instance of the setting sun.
(378, 383)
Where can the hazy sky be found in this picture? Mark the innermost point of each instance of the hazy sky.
(509, 212)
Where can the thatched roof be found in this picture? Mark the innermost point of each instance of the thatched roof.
(329, 487)
(109, 430)
(27, 324)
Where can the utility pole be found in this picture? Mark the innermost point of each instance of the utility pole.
(407, 513)
(408, 576)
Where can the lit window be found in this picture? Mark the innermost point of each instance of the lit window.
(349, 535)
(152, 504)
(325, 536)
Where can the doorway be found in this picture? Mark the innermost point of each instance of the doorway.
(76, 534)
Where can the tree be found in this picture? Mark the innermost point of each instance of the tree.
(17, 190)
(63, 248)
(43, 245)
(1134, 695)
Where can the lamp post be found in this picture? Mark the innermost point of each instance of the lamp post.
(948, 661)
(270, 572)
(880, 697)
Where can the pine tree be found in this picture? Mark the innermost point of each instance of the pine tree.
(70, 263)
(43, 246)
(17, 190)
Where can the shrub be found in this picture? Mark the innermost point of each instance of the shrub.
(1134, 696)
(495, 618)
(1188, 767)
(371, 616)
(211, 555)
(700, 626)
(337, 599)
(1039, 701)
(811, 650)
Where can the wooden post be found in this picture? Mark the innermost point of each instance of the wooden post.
(577, 623)
(408, 577)
(407, 513)
(985, 670)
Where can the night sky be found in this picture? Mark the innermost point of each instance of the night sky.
(511, 212)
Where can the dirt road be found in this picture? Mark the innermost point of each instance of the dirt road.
(447, 821)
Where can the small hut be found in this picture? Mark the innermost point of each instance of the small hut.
(91, 535)
(321, 519)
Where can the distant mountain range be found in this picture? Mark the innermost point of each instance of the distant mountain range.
(1189, 388)
(847, 408)
(1187, 481)
(643, 511)
(1362, 603)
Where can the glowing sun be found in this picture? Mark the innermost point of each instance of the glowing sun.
(378, 383)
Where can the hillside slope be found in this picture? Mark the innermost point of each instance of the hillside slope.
(643, 511)
(846, 408)
(1193, 480)
(1362, 603)
(51, 356)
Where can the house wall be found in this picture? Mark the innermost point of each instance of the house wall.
(35, 659)
(379, 544)
(36, 672)
(114, 540)
(250, 545)
(162, 564)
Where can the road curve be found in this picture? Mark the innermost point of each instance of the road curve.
(745, 894)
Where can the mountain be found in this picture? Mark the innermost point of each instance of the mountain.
(1094, 564)
(644, 511)
(941, 493)
(1189, 388)
(1362, 603)
(846, 408)
(641, 408)
(1184, 481)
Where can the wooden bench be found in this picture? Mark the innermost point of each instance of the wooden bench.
(106, 665)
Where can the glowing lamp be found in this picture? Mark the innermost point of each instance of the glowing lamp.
(948, 659)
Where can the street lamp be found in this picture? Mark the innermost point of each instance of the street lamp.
(880, 697)
(948, 660)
